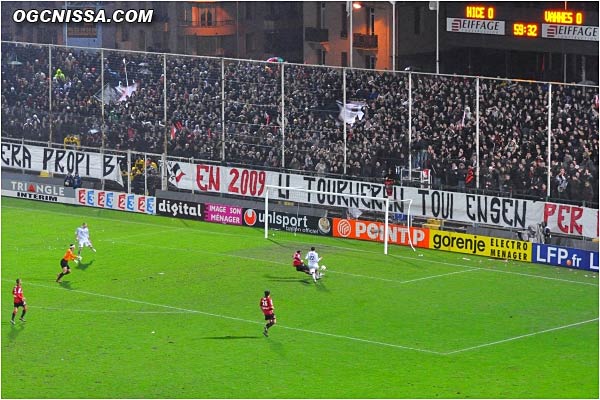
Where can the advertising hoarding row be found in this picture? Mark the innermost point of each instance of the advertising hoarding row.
(234, 215)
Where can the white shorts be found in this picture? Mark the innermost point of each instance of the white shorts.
(85, 242)
(313, 268)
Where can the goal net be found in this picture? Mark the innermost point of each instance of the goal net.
(351, 216)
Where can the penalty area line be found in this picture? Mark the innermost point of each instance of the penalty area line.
(521, 336)
(409, 280)
(187, 310)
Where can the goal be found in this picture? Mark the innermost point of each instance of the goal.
(378, 218)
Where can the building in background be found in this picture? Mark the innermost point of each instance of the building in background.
(555, 41)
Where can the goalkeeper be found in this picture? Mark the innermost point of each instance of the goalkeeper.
(64, 262)
(299, 264)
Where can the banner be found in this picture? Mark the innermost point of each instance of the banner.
(116, 201)
(426, 203)
(62, 161)
(506, 249)
(571, 220)
(288, 222)
(374, 231)
(565, 257)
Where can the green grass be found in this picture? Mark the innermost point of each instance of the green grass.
(168, 308)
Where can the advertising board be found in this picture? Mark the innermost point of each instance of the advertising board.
(565, 257)
(507, 249)
(179, 209)
(288, 222)
(116, 200)
(223, 214)
(373, 231)
(24, 189)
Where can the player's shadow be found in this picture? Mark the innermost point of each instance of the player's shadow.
(66, 285)
(272, 278)
(320, 286)
(230, 337)
(15, 330)
(278, 348)
(85, 266)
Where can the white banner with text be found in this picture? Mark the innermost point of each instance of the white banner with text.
(61, 161)
(427, 203)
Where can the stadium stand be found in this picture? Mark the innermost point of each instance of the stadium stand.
(188, 123)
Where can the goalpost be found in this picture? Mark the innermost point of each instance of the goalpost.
(340, 203)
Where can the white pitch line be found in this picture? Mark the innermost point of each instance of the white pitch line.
(364, 340)
(327, 245)
(520, 337)
(538, 276)
(410, 280)
(239, 319)
(107, 311)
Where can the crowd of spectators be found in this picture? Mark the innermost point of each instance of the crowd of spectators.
(513, 140)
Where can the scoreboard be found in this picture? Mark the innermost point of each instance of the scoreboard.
(548, 24)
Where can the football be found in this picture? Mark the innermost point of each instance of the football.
(323, 268)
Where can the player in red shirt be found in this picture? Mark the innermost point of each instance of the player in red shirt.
(64, 262)
(18, 301)
(266, 305)
(299, 264)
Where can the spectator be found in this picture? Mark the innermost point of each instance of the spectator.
(69, 180)
(59, 76)
(561, 184)
(587, 194)
(76, 181)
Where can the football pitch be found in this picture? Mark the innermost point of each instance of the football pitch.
(169, 308)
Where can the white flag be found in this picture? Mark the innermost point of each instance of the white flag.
(126, 91)
(351, 111)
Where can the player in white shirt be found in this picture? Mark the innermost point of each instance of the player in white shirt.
(313, 263)
(82, 234)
